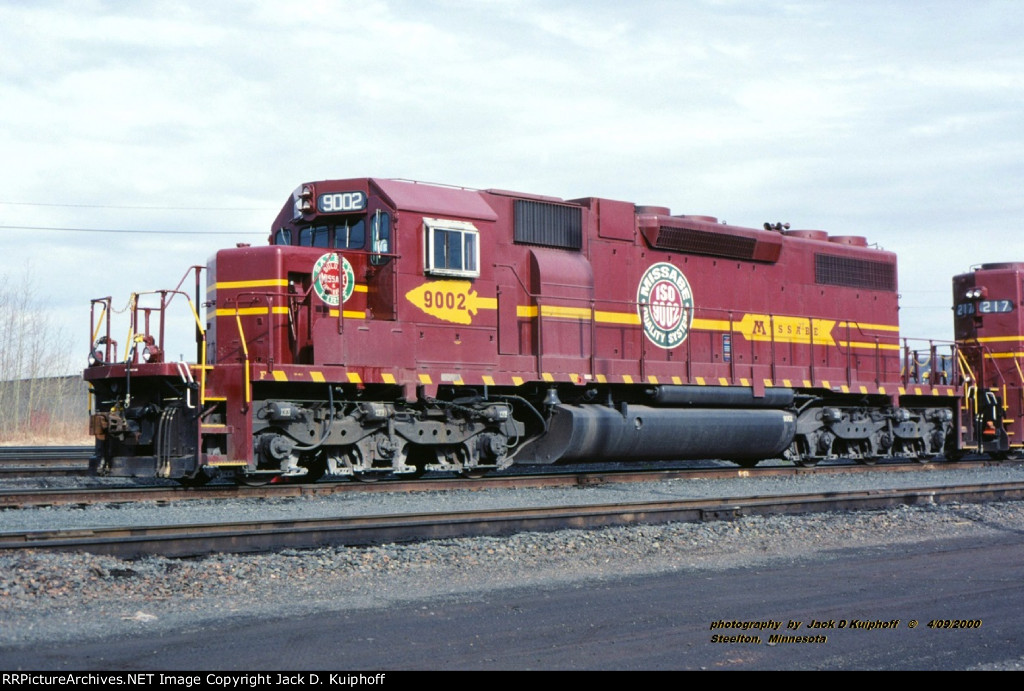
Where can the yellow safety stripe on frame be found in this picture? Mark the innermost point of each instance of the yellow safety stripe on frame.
(281, 375)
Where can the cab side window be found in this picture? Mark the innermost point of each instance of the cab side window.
(453, 248)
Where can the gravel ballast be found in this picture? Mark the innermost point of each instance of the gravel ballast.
(63, 597)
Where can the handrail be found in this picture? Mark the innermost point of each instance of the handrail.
(165, 300)
(139, 324)
(245, 351)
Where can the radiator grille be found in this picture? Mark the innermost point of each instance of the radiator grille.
(551, 225)
(704, 242)
(854, 273)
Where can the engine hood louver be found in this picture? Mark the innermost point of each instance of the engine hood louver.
(700, 236)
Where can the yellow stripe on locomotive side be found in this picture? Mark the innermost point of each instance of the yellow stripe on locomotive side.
(751, 326)
(629, 318)
(996, 339)
(348, 314)
(257, 283)
(869, 346)
(560, 312)
(580, 313)
(250, 311)
(870, 327)
(267, 283)
(712, 325)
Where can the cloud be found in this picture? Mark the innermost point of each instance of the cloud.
(858, 118)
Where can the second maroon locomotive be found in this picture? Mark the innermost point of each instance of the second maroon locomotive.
(397, 327)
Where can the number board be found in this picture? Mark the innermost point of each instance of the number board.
(340, 202)
(966, 309)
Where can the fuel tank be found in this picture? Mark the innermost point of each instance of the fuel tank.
(719, 396)
(596, 433)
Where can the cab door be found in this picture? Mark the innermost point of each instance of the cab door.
(381, 283)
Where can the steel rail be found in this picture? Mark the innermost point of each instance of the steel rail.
(21, 472)
(45, 452)
(260, 536)
(44, 461)
(18, 462)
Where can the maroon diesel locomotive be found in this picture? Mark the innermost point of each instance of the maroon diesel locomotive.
(396, 327)
(988, 327)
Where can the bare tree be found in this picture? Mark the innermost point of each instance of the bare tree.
(42, 399)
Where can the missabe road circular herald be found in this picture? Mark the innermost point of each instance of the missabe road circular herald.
(333, 277)
(664, 303)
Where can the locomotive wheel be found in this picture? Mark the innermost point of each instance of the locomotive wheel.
(867, 460)
(315, 467)
(419, 457)
(473, 473)
(255, 479)
(197, 480)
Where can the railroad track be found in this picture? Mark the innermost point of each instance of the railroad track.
(44, 453)
(196, 539)
(29, 497)
(44, 461)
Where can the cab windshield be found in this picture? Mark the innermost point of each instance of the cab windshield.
(344, 233)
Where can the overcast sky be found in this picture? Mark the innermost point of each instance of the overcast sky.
(902, 121)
